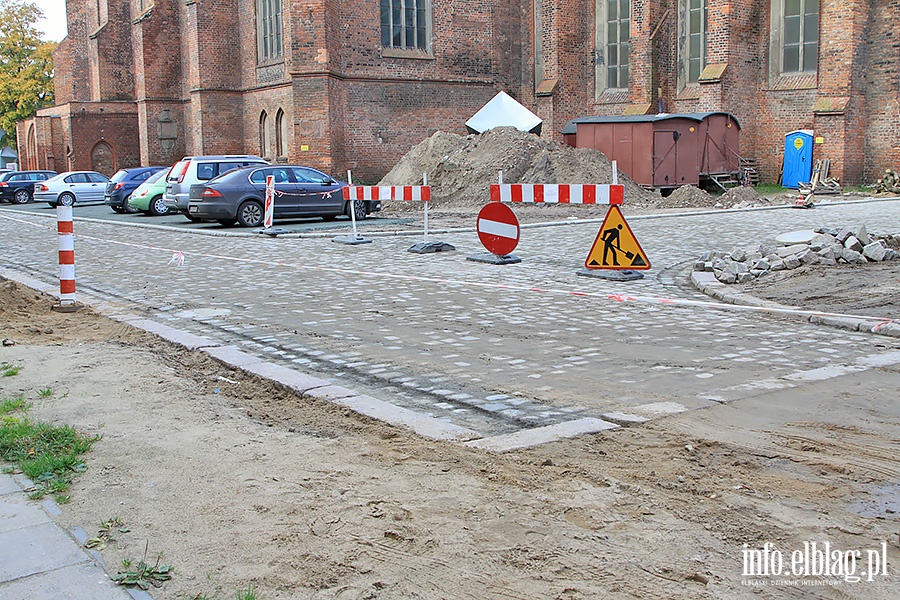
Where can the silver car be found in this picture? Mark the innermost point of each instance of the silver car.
(71, 187)
(200, 169)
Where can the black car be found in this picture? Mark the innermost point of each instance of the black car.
(239, 196)
(17, 186)
(123, 183)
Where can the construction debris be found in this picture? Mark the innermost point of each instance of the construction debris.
(889, 182)
(821, 183)
(822, 246)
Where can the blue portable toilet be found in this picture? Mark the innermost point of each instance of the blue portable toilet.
(798, 151)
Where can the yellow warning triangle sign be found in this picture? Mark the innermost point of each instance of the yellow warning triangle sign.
(615, 246)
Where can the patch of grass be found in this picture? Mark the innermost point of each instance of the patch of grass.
(8, 370)
(143, 575)
(15, 405)
(47, 454)
(771, 188)
(45, 392)
(248, 594)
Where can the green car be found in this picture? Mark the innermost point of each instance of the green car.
(148, 197)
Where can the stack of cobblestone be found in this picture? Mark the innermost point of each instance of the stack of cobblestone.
(823, 247)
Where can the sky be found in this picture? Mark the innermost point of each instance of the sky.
(54, 22)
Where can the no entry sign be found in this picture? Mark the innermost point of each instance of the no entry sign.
(498, 228)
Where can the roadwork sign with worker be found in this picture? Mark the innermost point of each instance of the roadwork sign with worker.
(616, 247)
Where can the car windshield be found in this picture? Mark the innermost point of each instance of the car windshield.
(119, 176)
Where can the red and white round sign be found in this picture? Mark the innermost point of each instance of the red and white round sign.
(498, 228)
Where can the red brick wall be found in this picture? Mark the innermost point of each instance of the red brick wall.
(879, 74)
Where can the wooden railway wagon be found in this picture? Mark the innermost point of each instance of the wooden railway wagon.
(665, 151)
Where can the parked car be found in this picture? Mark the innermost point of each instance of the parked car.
(123, 182)
(239, 196)
(71, 187)
(17, 186)
(148, 197)
(198, 169)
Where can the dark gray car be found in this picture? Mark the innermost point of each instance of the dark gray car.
(239, 196)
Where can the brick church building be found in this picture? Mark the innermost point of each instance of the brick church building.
(355, 84)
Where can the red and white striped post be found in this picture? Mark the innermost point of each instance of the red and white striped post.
(66, 235)
(270, 202)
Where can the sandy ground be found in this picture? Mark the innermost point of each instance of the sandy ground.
(870, 289)
(238, 482)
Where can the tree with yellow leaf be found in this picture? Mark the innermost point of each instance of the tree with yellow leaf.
(26, 65)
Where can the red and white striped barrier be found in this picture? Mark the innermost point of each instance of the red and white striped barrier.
(561, 193)
(416, 193)
(408, 193)
(66, 231)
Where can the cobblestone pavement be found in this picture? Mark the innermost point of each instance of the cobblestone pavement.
(492, 348)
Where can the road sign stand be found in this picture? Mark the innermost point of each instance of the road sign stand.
(272, 231)
(426, 247)
(354, 239)
(431, 247)
(494, 259)
(625, 275)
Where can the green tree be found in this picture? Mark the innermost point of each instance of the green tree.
(26, 65)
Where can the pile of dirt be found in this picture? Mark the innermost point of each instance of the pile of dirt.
(461, 168)
(688, 196)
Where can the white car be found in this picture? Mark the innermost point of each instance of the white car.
(71, 187)
(200, 169)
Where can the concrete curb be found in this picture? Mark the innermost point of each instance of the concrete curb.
(707, 283)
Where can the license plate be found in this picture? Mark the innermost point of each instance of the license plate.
(193, 209)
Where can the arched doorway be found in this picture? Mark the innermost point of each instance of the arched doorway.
(102, 159)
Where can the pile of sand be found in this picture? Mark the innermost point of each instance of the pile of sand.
(461, 168)
(687, 196)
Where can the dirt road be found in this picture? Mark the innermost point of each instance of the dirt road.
(238, 482)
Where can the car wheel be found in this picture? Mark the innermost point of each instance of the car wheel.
(22, 197)
(117, 209)
(128, 210)
(158, 207)
(250, 214)
(359, 207)
(66, 199)
(192, 218)
(226, 222)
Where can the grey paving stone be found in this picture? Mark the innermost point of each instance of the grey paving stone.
(84, 581)
(8, 485)
(17, 512)
(36, 549)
